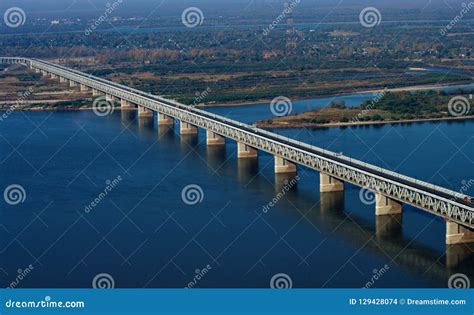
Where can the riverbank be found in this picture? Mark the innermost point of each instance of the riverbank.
(370, 91)
(360, 123)
(232, 103)
(389, 108)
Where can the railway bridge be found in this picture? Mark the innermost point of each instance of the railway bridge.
(391, 189)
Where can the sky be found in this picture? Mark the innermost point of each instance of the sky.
(91, 8)
(62, 4)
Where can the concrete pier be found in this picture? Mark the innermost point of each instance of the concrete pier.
(213, 138)
(95, 92)
(187, 129)
(384, 205)
(458, 234)
(164, 120)
(329, 184)
(53, 76)
(84, 88)
(62, 80)
(126, 105)
(244, 151)
(143, 111)
(109, 98)
(72, 83)
(284, 166)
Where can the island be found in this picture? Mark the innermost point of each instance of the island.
(383, 108)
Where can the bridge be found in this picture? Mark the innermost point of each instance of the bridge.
(391, 189)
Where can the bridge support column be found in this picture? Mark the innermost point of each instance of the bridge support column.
(385, 205)
(124, 105)
(62, 80)
(329, 183)
(144, 112)
(84, 88)
(458, 234)
(164, 120)
(53, 76)
(284, 166)
(187, 129)
(95, 92)
(213, 138)
(37, 70)
(72, 83)
(245, 151)
(109, 98)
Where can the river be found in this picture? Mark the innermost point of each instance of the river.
(144, 233)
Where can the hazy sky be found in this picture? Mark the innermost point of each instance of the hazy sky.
(79, 8)
(59, 4)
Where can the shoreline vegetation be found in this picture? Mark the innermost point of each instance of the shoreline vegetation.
(364, 123)
(385, 108)
(413, 88)
(61, 105)
(412, 104)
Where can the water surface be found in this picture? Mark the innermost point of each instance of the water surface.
(144, 235)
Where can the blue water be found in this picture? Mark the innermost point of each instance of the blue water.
(251, 113)
(144, 235)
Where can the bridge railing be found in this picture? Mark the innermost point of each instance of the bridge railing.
(262, 131)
